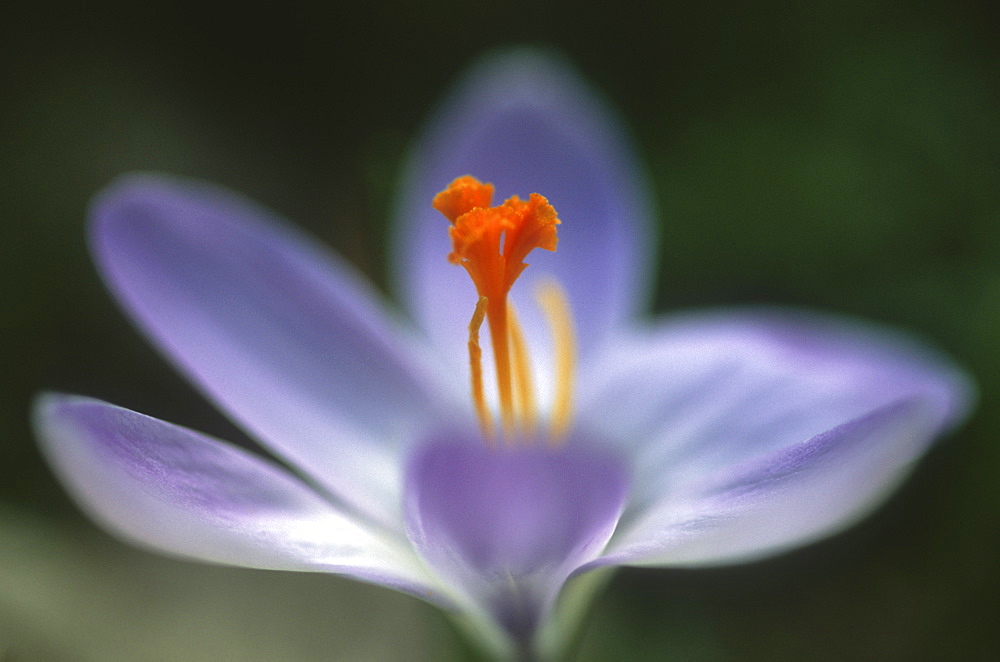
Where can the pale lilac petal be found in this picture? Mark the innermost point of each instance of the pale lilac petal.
(289, 341)
(524, 121)
(511, 524)
(785, 499)
(180, 492)
(519, 509)
(704, 391)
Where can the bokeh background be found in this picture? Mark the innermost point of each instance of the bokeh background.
(836, 155)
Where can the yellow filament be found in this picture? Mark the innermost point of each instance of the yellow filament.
(524, 387)
(476, 368)
(553, 302)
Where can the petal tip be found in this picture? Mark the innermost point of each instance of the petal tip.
(47, 408)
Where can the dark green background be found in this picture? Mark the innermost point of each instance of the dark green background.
(842, 156)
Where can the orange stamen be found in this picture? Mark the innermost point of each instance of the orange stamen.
(476, 369)
(491, 243)
(555, 305)
(523, 383)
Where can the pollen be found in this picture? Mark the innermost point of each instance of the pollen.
(492, 243)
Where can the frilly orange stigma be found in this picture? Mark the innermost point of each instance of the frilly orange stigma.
(462, 195)
(492, 242)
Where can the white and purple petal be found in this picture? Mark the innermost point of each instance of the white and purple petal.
(784, 499)
(289, 341)
(704, 391)
(183, 493)
(524, 121)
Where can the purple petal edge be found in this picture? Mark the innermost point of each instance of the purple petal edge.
(722, 387)
(178, 492)
(791, 497)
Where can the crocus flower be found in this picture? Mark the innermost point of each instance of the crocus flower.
(592, 438)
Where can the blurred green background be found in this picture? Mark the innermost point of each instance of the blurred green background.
(842, 156)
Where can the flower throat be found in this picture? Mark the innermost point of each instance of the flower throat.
(492, 243)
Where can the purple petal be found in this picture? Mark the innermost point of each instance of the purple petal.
(788, 498)
(709, 390)
(511, 524)
(525, 122)
(287, 340)
(180, 492)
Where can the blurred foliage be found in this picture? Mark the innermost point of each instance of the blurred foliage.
(79, 597)
(833, 155)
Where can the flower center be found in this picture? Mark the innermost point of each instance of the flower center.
(492, 243)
